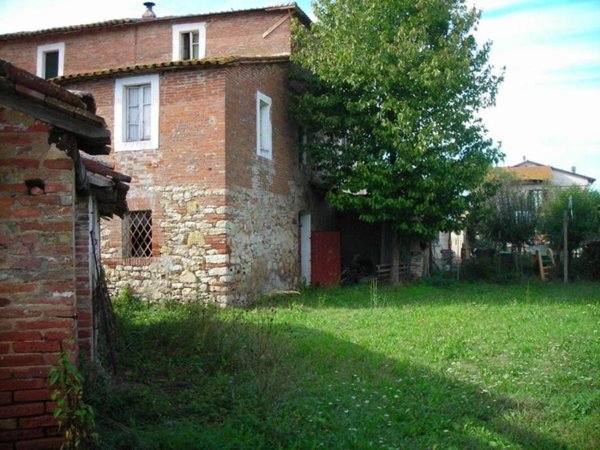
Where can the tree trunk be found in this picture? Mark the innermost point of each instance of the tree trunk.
(467, 245)
(395, 269)
(426, 259)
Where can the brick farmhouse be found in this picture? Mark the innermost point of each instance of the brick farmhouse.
(198, 109)
(222, 207)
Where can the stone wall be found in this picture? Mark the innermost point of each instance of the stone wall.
(37, 295)
(265, 195)
(192, 262)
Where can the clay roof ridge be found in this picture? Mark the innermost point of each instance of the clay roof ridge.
(137, 21)
(173, 65)
(29, 85)
(528, 161)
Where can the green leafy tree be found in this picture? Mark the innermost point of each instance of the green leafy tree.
(583, 215)
(510, 216)
(392, 90)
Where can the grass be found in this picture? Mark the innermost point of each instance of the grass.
(459, 366)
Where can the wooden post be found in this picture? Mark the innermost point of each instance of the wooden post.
(395, 269)
(566, 248)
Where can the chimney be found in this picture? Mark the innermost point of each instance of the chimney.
(524, 159)
(573, 169)
(149, 14)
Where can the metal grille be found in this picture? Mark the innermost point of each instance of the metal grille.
(139, 230)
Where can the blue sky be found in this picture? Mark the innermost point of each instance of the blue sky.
(548, 108)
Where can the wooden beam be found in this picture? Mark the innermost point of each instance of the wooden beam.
(90, 136)
(100, 180)
(276, 25)
(101, 169)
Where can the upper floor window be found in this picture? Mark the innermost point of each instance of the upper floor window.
(50, 60)
(264, 139)
(189, 41)
(136, 113)
(139, 111)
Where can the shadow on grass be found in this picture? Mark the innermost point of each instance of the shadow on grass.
(236, 380)
(367, 296)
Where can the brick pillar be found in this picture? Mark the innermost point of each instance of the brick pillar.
(83, 274)
(37, 292)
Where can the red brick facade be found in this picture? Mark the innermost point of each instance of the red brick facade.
(38, 302)
(148, 42)
(49, 206)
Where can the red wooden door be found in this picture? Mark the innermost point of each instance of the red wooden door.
(325, 258)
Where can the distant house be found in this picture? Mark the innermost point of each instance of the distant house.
(51, 201)
(533, 177)
(532, 174)
(536, 178)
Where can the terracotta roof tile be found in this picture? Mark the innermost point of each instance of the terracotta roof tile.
(538, 173)
(139, 21)
(174, 65)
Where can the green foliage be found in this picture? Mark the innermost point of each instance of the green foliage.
(591, 259)
(509, 216)
(584, 222)
(499, 268)
(391, 90)
(75, 418)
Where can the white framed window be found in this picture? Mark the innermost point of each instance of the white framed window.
(137, 104)
(264, 133)
(50, 60)
(189, 41)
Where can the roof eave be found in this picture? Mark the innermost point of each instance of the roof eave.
(199, 64)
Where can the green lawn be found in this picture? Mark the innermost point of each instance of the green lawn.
(462, 366)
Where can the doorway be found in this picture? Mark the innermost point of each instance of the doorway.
(305, 256)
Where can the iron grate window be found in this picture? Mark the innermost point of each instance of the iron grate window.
(138, 242)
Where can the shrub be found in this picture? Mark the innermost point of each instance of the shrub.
(591, 259)
(477, 269)
(75, 418)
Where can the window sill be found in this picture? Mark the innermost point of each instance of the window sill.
(114, 262)
(135, 146)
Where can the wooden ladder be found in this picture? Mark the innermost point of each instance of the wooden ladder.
(545, 264)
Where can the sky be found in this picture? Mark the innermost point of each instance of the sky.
(548, 108)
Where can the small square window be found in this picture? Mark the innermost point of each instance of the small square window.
(50, 65)
(264, 135)
(190, 45)
(50, 60)
(189, 41)
(137, 234)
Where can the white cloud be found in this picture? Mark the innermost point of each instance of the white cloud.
(548, 107)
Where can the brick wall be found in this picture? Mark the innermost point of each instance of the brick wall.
(83, 276)
(37, 298)
(150, 42)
